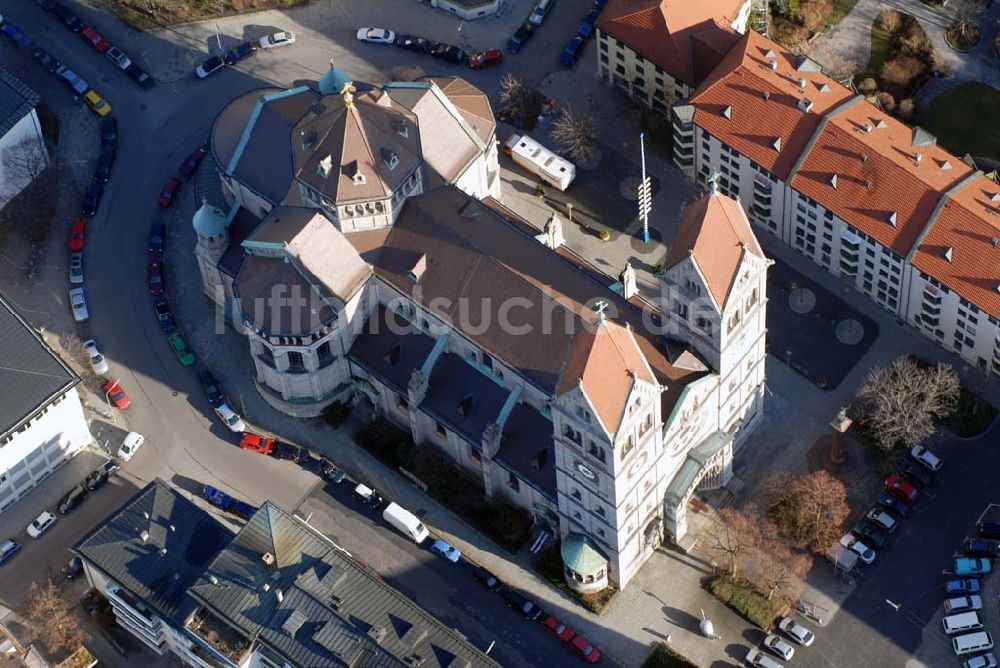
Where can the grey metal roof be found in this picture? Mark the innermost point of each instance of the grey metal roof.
(391, 348)
(155, 546)
(16, 100)
(331, 612)
(31, 374)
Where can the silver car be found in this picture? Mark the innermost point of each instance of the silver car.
(76, 268)
(97, 361)
(79, 305)
(76, 83)
(230, 418)
(797, 632)
(779, 647)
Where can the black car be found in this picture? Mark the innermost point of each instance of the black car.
(191, 162)
(528, 608)
(96, 478)
(289, 452)
(520, 37)
(72, 568)
(210, 384)
(329, 472)
(109, 132)
(988, 530)
(413, 43)
(164, 315)
(72, 499)
(240, 52)
(157, 236)
(104, 164)
(488, 580)
(980, 547)
(92, 200)
(917, 477)
(140, 76)
(46, 60)
(69, 19)
(448, 52)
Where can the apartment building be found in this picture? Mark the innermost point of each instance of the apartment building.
(20, 131)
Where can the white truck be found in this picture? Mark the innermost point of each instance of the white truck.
(406, 522)
(540, 161)
(842, 558)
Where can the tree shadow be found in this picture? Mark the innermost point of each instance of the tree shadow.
(681, 619)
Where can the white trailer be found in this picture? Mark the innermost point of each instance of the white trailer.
(842, 558)
(406, 522)
(540, 161)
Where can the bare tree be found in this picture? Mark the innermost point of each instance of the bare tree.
(575, 134)
(964, 14)
(734, 535)
(50, 619)
(808, 510)
(25, 161)
(514, 95)
(902, 402)
(890, 20)
(778, 568)
(405, 73)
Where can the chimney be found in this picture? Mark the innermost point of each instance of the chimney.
(802, 83)
(214, 580)
(767, 96)
(267, 558)
(627, 279)
(416, 388)
(173, 528)
(280, 595)
(773, 64)
(805, 105)
(492, 436)
(995, 241)
(325, 166)
(419, 267)
(868, 128)
(144, 535)
(918, 157)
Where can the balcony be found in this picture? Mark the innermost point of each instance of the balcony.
(124, 603)
(219, 636)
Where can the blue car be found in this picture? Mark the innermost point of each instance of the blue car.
(963, 586)
(520, 37)
(893, 503)
(16, 35)
(449, 552)
(972, 566)
(586, 28)
(68, 18)
(572, 50)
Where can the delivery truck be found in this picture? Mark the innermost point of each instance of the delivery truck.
(406, 522)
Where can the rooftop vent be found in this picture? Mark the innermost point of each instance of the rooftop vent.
(767, 96)
(995, 197)
(881, 124)
(308, 139)
(833, 181)
(805, 105)
(868, 184)
(868, 128)
(824, 88)
(995, 241)
(390, 158)
(776, 144)
(144, 535)
(893, 217)
(280, 594)
(418, 268)
(770, 54)
(773, 64)
(864, 157)
(267, 558)
(918, 157)
(266, 586)
(399, 125)
(945, 165)
(949, 253)
(214, 580)
(163, 551)
(325, 166)
(728, 112)
(173, 528)
(377, 633)
(802, 83)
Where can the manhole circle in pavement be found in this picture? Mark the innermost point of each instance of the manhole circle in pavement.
(802, 300)
(174, 393)
(629, 187)
(850, 332)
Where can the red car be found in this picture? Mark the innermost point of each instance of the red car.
(587, 652)
(257, 443)
(558, 629)
(77, 233)
(95, 39)
(191, 162)
(898, 485)
(489, 58)
(115, 394)
(156, 281)
(170, 189)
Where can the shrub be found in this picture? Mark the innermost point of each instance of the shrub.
(906, 108)
(868, 86)
(887, 101)
(665, 656)
(742, 597)
(603, 235)
(336, 413)
(549, 565)
(900, 73)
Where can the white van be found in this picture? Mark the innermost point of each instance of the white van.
(966, 621)
(541, 10)
(405, 521)
(962, 604)
(972, 642)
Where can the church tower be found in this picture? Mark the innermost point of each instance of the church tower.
(213, 239)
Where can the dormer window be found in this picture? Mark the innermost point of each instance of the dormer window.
(399, 125)
(418, 268)
(390, 158)
(325, 166)
(359, 179)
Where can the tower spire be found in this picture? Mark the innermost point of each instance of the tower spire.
(713, 183)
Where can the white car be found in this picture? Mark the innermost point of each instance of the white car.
(41, 524)
(927, 458)
(76, 268)
(796, 631)
(377, 35)
(276, 39)
(230, 418)
(779, 647)
(97, 361)
(882, 519)
(755, 657)
(79, 304)
(133, 440)
(865, 553)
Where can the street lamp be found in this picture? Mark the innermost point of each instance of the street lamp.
(569, 207)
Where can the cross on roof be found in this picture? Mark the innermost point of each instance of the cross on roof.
(601, 306)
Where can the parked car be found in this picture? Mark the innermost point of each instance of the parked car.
(140, 76)
(926, 458)
(96, 40)
(230, 418)
(130, 444)
(77, 234)
(163, 314)
(367, 496)
(191, 162)
(882, 519)
(41, 524)
(980, 547)
(963, 586)
(585, 649)
(72, 569)
(46, 60)
(227, 503)
(586, 27)
(72, 499)
(257, 443)
(449, 52)
(413, 43)
(562, 632)
(962, 604)
(540, 11)
(890, 501)
(109, 132)
(376, 35)
(16, 35)
(69, 19)
(115, 394)
(755, 657)
(181, 349)
(78, 85)
(8, 549)
(865, 553)
(96, 478)
(487, 579)
(97, 361)
(209, 383)
(78, 302)
(971, 566)
(865, 530)
(238, 53)
(170, 189)
(92, 199)
(981, 661)
(448, 551)
(520, 37)
(779, 646)
(209, 67)
(154, 276)
(796, 631)
(118, 57)
(157, 234)
(571, 51)
(104, 164)
(289, 452)
(76, 268)
(97, 103)
(915, 475)
(526, 607)
(276, 39)
(488, 58)
(329, 472)
(899, 486)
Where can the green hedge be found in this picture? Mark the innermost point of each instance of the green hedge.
(665, 656)
(744, 598)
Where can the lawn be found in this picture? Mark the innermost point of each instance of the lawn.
(841, 8)
(956, 117)
(744, 598)
(880, 49)
(152, 14)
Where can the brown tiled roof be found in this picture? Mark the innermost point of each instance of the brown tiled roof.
(605, 360)
(662, 31)
(471, 102)
(969, 225)
(743, 90)
(714, 230)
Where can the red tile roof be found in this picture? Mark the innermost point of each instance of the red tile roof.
(662, 31)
